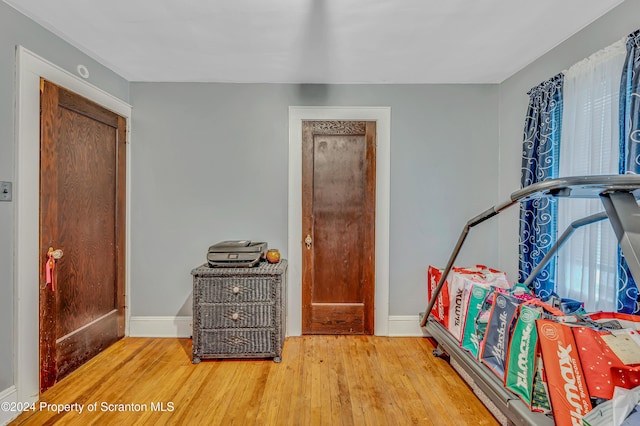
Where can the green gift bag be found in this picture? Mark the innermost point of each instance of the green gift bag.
(524, 352)
(475, 322)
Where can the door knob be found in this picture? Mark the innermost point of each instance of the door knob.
(50, 266)
(56, 254)
(308, 241)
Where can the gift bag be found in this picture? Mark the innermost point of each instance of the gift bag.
(496, 338)
(603, 368)
(540, 395)
(477, 317)
(566, 305)
(621, 410)
(567, 388)
(440, 310)
(523, 351)
(519, 291)
(616, 320)
(450, 300)
(460, 282)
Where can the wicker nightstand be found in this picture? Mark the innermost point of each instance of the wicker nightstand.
(239, 312)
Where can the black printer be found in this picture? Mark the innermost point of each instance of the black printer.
(236, 254)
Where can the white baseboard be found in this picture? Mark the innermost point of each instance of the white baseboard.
(160, 327)
(399, 325)
(9, 396)
(405, 325)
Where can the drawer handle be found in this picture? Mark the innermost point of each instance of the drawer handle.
(236, 290)
(235, 316)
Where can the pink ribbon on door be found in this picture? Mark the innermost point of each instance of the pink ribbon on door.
(50, 266)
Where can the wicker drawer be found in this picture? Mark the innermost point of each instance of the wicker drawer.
(231, 343)
(239, 312)
(235, 290)
(236, 315)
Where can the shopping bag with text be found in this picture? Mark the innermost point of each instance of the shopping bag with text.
(567, 388)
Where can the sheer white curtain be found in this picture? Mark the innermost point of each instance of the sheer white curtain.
(587, 263)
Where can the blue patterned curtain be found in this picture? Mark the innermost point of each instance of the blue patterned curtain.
(629, 156)
(540, 153)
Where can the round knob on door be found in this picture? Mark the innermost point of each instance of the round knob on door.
(308, 240)
(56, 254)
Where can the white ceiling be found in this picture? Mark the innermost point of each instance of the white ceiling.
(315, 41)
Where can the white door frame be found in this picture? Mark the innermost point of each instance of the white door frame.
(30, 67)
(382, 117)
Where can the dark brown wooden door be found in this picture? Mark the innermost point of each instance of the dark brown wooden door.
(338, 226)
(82, 213)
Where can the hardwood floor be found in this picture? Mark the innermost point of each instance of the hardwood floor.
(322, 380)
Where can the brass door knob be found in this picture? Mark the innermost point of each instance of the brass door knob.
(56, 254)
(308, 241)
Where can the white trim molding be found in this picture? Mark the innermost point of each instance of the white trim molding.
(30, 68)
(405, 325)
(176, 327)
(382, 117)
(8, 396)
(182, 327)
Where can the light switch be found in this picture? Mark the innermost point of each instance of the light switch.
(5, 191)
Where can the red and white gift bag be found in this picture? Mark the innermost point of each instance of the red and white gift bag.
(603, 369)
(461, 282)
(451, 304)
(440, 310)
(567, 387)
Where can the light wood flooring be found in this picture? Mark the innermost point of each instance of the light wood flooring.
(322, 380)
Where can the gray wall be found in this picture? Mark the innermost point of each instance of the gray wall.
(210, 162)
(615, 25)
(15, 30)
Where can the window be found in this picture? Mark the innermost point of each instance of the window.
(588, 262)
